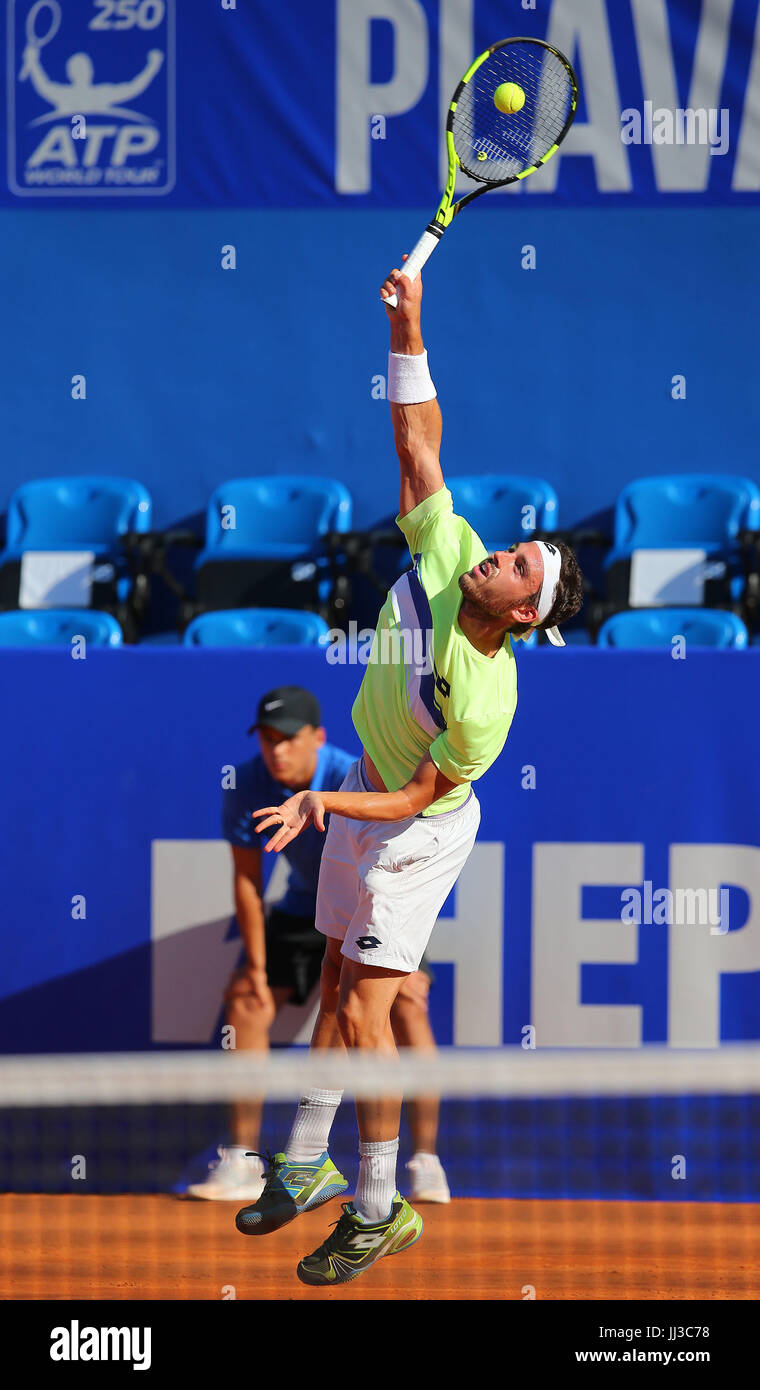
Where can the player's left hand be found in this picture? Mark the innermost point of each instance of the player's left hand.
(293, 816)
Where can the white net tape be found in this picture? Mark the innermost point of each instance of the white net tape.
(514, 1073)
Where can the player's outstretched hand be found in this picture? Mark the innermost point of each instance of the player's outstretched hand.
(293, 816)
(409, 294)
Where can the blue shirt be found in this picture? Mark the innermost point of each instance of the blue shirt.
(255, 788)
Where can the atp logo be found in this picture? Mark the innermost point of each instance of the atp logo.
(91, 103)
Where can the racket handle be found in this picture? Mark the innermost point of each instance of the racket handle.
(421, 253)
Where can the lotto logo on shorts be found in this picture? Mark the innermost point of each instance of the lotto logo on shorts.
(368, 943)
(91, 97)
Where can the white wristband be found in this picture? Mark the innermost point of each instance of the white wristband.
(409, 380)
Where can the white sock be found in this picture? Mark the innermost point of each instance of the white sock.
(311, 1126)
(376, 1187)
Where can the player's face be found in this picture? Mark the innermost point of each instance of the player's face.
(291, 759)
(504, 581)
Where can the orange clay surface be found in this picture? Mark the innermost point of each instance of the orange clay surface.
(159, 1247)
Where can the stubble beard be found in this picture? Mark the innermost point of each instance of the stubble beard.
(478, 601)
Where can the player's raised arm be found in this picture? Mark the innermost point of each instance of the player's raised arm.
(415, 412)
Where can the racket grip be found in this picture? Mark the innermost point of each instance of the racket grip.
(421, 253)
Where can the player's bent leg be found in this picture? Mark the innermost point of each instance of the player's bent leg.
(294, 1184)
(367, 994)
(383, 942)
(303, 1176)
(310, 1133)
(388, 934)
(379, 1221)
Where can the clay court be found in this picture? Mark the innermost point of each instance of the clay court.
(156, 1247)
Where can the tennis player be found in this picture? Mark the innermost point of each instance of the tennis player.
(283, 952)
(405, 819)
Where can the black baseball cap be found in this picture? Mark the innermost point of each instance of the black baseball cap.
(287, 709)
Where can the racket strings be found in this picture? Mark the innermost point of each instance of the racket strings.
(493, 146)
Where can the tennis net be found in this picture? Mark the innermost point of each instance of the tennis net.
(573, 1175)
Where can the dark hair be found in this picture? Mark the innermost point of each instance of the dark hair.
(568, 598)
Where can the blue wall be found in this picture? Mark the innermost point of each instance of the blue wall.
(195, 374)
(105, 757)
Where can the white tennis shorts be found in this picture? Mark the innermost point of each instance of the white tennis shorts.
(383, 883)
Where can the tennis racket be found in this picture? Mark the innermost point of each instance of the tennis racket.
(35, 41)
(491, 146)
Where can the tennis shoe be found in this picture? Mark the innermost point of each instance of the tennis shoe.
(428, 1179)
(290, 1188)
(353, 1246)
(233, 1176)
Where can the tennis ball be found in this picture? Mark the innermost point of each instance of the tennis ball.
(509, 98)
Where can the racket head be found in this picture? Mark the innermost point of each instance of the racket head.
(495, 148)
(39, 40)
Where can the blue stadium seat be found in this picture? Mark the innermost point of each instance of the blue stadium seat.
(88, 513)
(256, 627)
(494, 504)
(264, 542)
(56, 627)
(278, 518)
(701, 627)
(698, 512)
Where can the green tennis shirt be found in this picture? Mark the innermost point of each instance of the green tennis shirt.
(426, 688)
